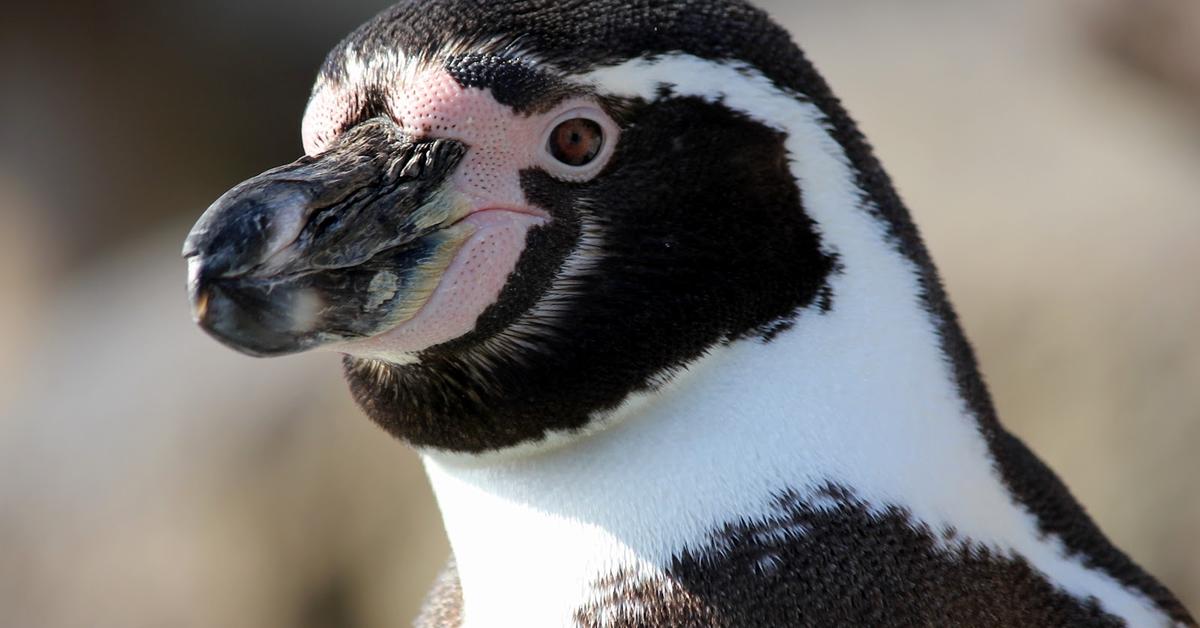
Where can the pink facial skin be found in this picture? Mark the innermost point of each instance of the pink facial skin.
(472, 282)
(502, 143)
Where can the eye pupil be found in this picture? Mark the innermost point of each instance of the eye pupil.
(577, 141)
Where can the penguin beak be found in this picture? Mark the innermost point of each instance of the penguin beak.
(338, 246)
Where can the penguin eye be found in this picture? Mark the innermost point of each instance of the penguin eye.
(576, 142)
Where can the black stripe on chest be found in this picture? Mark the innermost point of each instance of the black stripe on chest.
(842, 564)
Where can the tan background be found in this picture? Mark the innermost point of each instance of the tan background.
(149, 477)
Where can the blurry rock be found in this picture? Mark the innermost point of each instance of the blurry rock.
(1158, 38)
(27, 262)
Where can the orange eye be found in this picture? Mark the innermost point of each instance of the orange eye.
(576, 142)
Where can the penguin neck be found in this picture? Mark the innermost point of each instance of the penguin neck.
(861, 396)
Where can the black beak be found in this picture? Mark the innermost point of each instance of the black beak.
(339, 246)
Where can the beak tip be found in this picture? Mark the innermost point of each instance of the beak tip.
(200, 307)
(220, 311)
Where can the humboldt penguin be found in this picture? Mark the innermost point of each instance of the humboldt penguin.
(628, 277)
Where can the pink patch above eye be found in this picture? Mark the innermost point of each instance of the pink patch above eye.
(432, 104)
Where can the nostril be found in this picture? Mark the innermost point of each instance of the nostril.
(288, 214)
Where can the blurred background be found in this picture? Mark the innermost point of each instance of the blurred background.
(150, 477)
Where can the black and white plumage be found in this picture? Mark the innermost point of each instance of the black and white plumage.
(709, 378)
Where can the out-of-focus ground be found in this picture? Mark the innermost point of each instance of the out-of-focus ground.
(150, 477)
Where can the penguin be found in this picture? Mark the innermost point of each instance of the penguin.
(630, 280)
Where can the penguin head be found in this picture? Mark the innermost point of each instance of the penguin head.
(505, 231)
